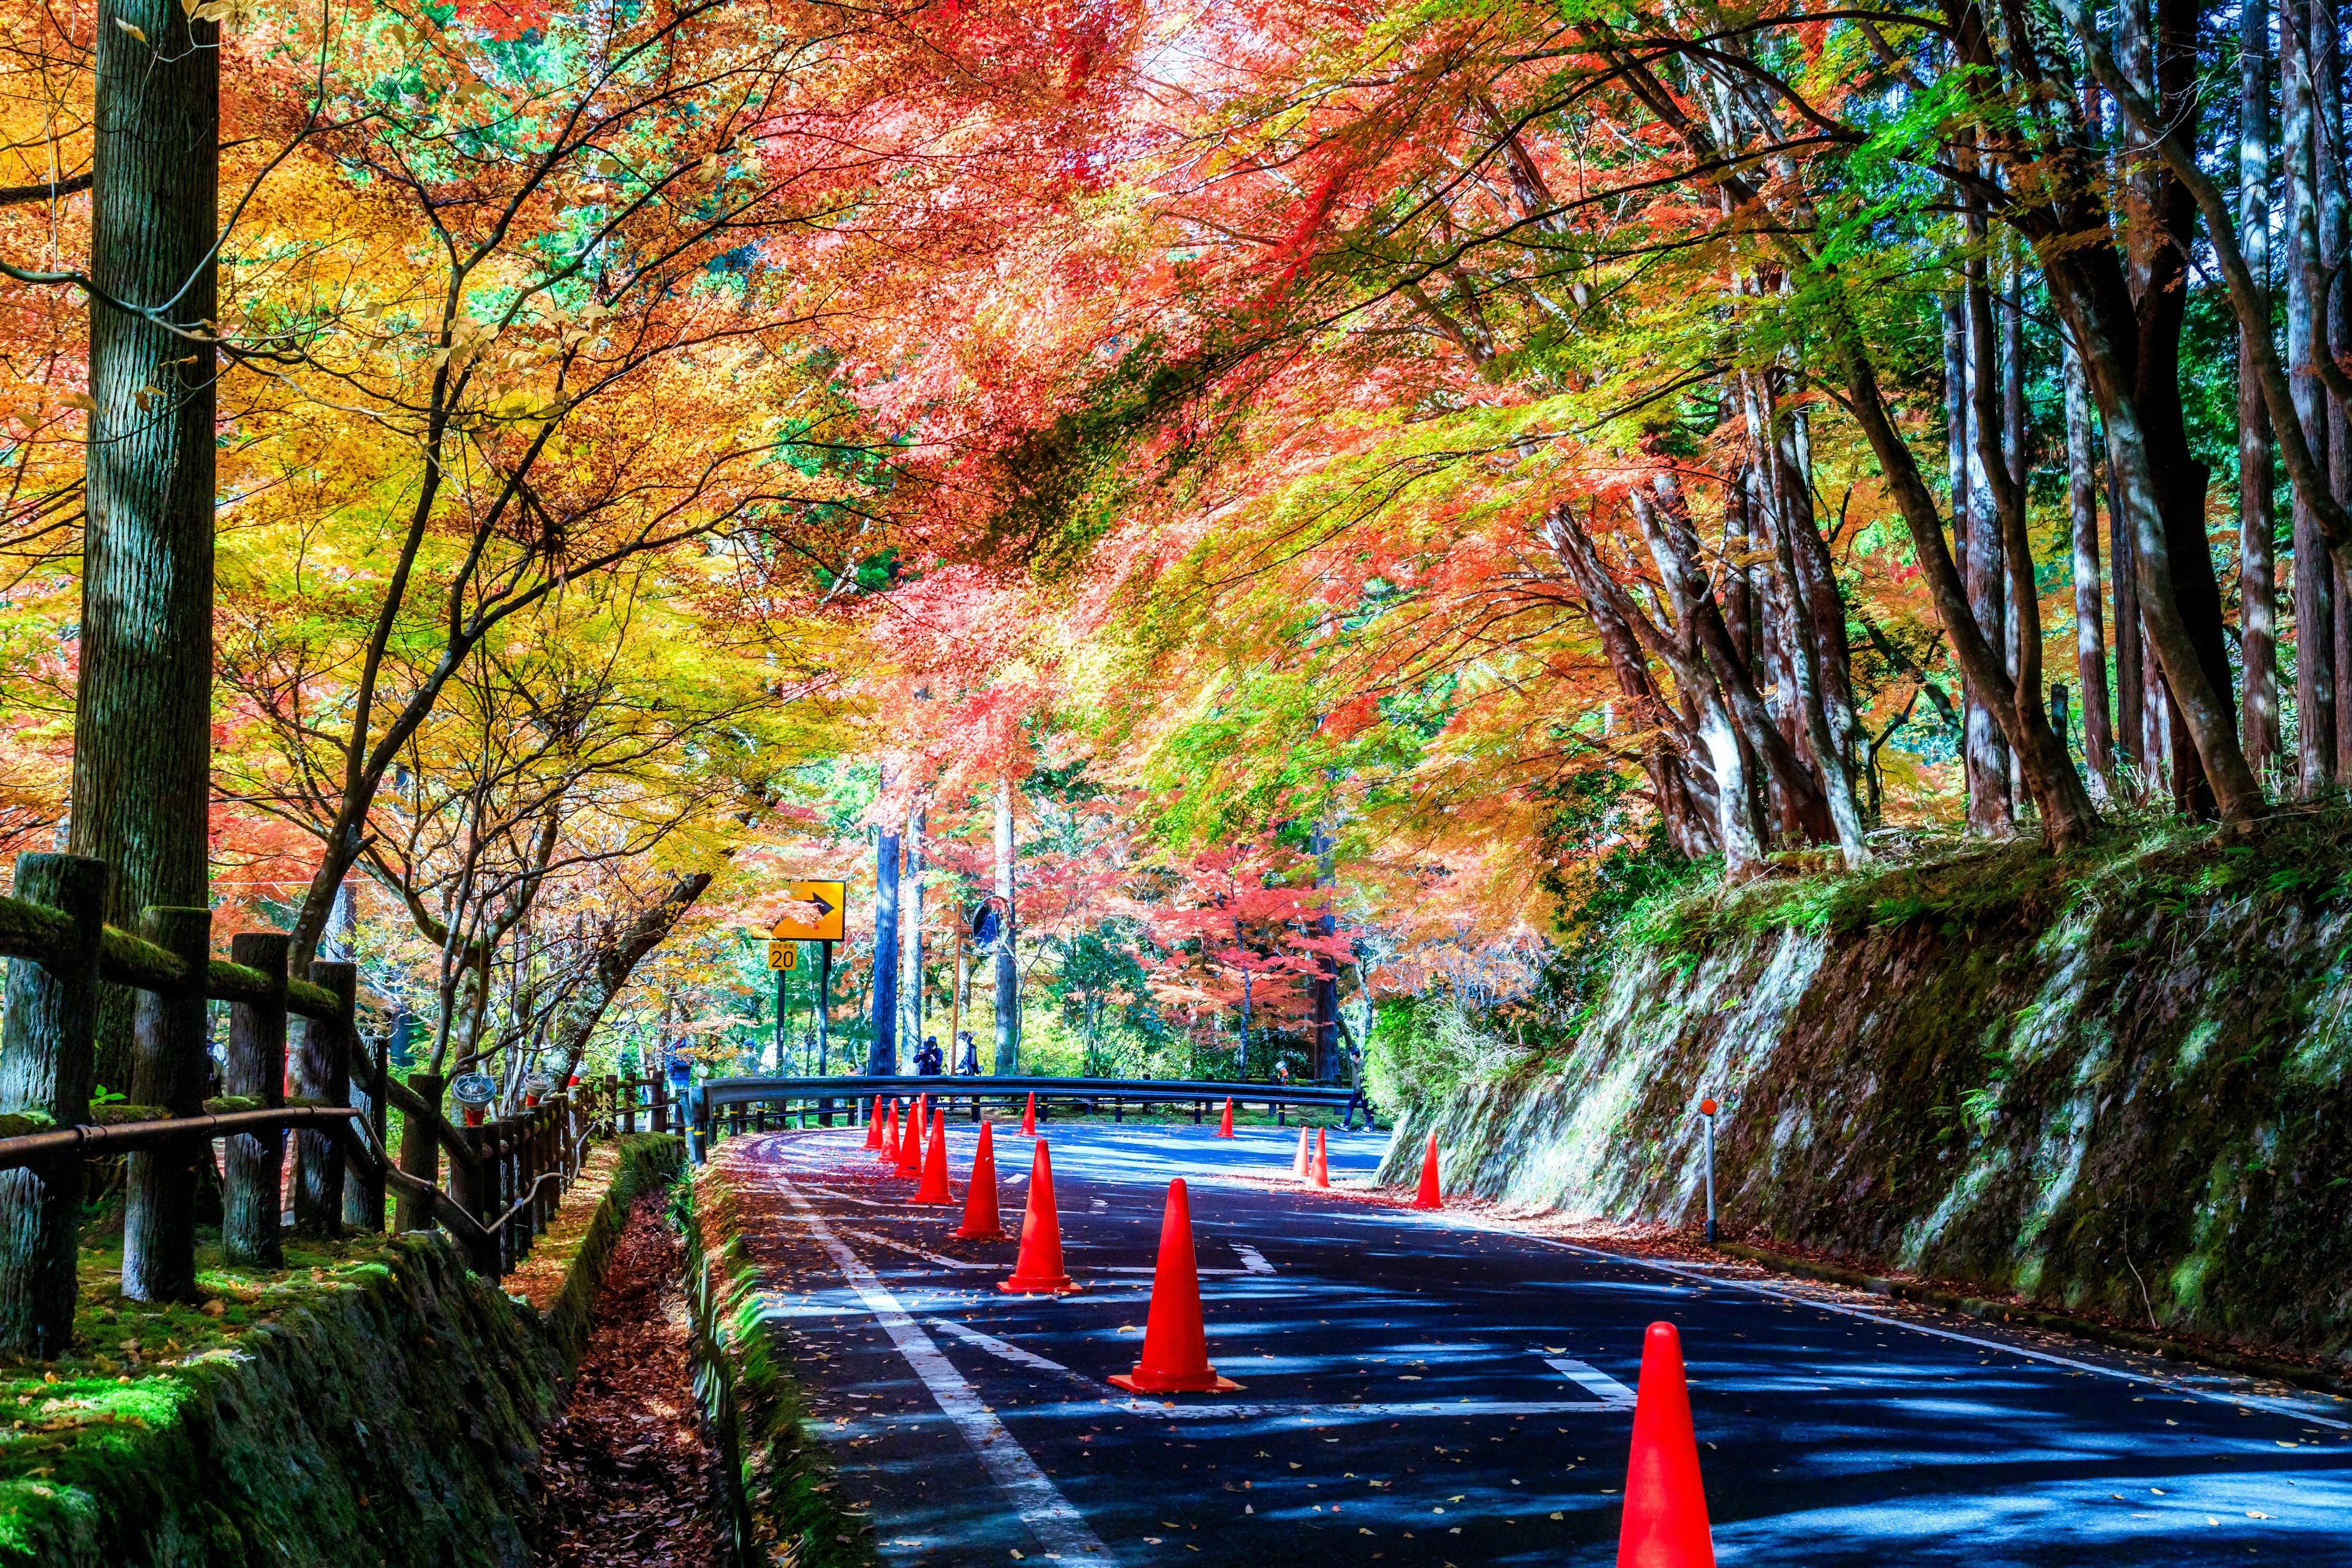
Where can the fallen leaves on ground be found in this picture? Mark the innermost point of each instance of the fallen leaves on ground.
(629, 1478)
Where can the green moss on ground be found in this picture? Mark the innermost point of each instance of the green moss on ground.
(370, 1402)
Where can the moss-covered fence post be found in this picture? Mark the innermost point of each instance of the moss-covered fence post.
(322, 1072)
(167, 1071)
(44, 1071)
(363, 1182)
(420, 1153)
(252, 1163)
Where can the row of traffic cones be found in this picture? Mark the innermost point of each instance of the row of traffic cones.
(1664, 1524)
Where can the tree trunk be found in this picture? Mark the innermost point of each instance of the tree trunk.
(619, 949)
(2334, 313)
(1323, 1009)
(2090, 637)
(2314, 574)
(910, 944)
(1990, 812)
(1008, 974)
(143, 713)
(882, 1050)
(2257, 570)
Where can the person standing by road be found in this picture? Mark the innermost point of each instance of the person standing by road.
(967, 1055)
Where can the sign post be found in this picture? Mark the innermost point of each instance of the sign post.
(1706, 1117)
(826, 921)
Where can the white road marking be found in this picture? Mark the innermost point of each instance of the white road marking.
(1593, 1381)
(1367, 1411)
(1153, 1268)
(1057, 1526)
(2124, 1375)
(1100, 1207)
(919, 1252)
(998, 1348)
(1252, 1260)
(843, 1198)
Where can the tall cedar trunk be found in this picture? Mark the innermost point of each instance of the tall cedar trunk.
(2257, 570)
(882, 1052)
(2021, 607)
(2179, 479)
(1323, 1009)
(1008, 974)
(2335, 311)
(1990, 807)
(2090, 637)
(910, 943)
(143, 714)
(2314, 575)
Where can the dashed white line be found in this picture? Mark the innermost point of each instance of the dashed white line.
(1593, 1381)
(1057, 1526)
(926, 1256)
(1002, 1350)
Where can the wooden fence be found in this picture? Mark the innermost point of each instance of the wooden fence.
(506, 1177)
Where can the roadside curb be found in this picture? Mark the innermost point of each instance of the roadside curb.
(2036, 1317)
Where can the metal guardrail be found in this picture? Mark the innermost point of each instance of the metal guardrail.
(723, 1091)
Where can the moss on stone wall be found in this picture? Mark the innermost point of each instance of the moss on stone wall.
(780, 1484)
(2114, 1082)
(565, 1271)
(373, 1404)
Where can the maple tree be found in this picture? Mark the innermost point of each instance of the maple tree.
(1296, 506)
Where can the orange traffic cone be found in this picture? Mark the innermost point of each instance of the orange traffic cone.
(1175, 1345)
(1429, 1198)
(1029, 1116)
(981, 1220)
(1322, 1161)
(1299, 1160)
(888, 1148)
(1665, 1505)
(1225, 1128)
(910, 1142)
(873, 1124)
(935, 1188)
(1039, 1270)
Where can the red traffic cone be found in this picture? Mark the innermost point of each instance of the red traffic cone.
(1322, 1161)
(1029, 1116)
(1429, 1198)
(981, 1220)
(1225, 1128)
(1038, 1271)
(888, 1148)
(1299, 1160)
(935, 1188)
(1665, 1505)
(1175, 1345)
(910, 1142)
(873, 1124)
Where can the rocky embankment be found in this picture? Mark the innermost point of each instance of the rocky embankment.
(2117, 1086)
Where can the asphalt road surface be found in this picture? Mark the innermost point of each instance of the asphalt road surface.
(1427, 1389)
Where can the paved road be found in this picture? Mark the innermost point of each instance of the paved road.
(1428, 1390)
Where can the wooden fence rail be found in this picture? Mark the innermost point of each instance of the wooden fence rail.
(506, 1177)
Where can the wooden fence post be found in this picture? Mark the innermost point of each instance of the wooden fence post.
(362, 1183)
(254, 1163)
(322, 1072)
(167, 1071)
(46, 1060)
(629, 1107)
(420, 1154)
